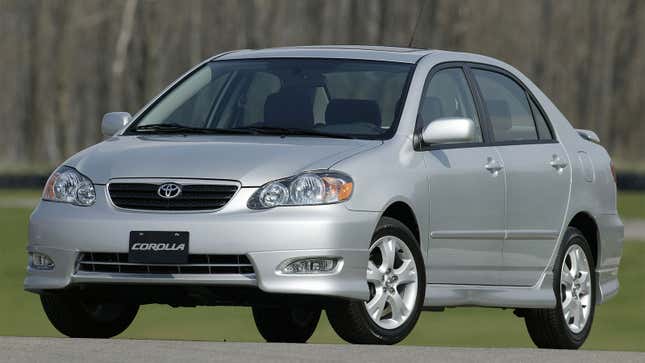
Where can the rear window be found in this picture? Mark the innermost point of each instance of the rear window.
(507, 105)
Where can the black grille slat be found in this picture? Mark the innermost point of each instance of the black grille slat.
(199, 270)
(189, 196)
(199, 264)
(130, 187)
(183, 197)
(195, 259)
(246, 270)
(181, 207)
(134, 269)
(131, 195)
(196, 197)
(210, 188)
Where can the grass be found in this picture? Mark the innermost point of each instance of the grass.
(26, 168)
(18, 194)
(631, 205)
(619, 324)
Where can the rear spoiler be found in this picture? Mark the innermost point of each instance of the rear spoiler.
(588, 135)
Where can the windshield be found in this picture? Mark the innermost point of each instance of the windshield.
(330, 97)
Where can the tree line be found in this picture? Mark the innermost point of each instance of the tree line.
(64, 63)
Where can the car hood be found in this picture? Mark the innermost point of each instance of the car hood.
(251, 160)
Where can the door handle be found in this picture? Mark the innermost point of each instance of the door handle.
(558, 163)
(493, 166)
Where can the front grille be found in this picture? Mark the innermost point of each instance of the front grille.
(193, 197)
(197, 264)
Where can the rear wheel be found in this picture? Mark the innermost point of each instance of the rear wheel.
(286, 325)
(568, 324)
(83, 319)
(396, 279)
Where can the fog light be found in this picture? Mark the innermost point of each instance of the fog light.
(309, 265)
(40, 261)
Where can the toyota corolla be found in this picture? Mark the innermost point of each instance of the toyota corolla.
(369, 182)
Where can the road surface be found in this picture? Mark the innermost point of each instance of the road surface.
(46, 350)
(634, 230)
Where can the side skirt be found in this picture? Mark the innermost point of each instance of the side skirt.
(607, 284)
(539, 296)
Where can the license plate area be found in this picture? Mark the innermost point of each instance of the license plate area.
(156, 247)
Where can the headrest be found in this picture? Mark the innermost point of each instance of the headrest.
(346, 111)
(431, 110)
(290, 107)
(500, 114)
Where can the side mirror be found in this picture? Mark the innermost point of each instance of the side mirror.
(445, 130)
(113, 122)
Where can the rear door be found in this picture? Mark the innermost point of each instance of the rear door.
(537, 173)
(466, 189)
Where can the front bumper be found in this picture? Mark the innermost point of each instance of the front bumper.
(267, 238)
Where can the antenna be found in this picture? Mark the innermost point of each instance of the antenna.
(416, 25)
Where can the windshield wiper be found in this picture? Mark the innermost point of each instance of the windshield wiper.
(174, 128)
(271, 130)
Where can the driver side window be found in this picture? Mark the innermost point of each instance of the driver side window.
(448, 95)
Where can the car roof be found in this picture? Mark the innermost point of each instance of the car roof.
(365, 52)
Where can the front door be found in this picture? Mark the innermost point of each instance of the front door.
(466, 190)
(467, 194)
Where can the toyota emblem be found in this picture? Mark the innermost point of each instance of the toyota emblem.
(169, 190)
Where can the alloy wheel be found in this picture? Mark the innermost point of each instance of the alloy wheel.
(575, 289)
(393, 281)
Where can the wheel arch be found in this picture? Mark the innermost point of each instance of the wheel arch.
(404, 213)
(586, 224)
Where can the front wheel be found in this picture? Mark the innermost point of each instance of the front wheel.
(396, 279)
(568, 324)
(77, 318)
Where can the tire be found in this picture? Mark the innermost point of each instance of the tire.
(286, 325)
(351, 320)
(77, 319)
(548, 327)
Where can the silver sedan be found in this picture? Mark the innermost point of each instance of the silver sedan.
(371, 182)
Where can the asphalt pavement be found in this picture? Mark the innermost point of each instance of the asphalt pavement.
(634, 230)
(46, 350)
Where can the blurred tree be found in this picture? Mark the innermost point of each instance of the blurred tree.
(65, 63)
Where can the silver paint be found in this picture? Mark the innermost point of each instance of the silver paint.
(449, 130)
(113, 122)
(490, 218)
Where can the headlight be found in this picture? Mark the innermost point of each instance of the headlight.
(69, 186)
(310, 188)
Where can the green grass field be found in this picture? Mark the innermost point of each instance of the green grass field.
(631, 205)
(619, 324)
